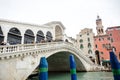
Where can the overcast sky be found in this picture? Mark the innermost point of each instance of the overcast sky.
(74, 14)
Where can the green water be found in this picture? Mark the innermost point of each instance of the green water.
(80, 76)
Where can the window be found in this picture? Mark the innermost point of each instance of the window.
(108, 38)
(96, 46)
(89, 45)
(81, 46)
(89, 51)
(102, 53)
(87, 33)
(80, 35)
(88, 39)
(110, 34)
(111, 39)
(99, 39)
(81, 40)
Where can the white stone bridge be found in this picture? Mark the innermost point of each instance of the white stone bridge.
(17, 62)
(19, 59)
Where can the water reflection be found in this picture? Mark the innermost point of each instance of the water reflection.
(80, 76)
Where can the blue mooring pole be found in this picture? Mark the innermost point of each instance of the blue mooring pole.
(43, 69)
(72, 68)
(115, 65)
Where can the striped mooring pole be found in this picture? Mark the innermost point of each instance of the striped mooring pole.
(72, 68)
(115, 65)
(43, 69)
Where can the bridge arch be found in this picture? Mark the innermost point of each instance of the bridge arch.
(83, 63)
(28, 36)
(49, 36)
(40, 36)
(1, 35)
(58, 33)
(61, 61)
(14, 36)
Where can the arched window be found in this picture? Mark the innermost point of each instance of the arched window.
(28, 36)
(96, 46)
(101, 30)
(1, 35)
(89, 51)
(88, 39)
(81, 41)
(89, 45)
(58, 33)
(66, 40)
(14, 36)
(40, 36)
(81, 46)
(49, 36)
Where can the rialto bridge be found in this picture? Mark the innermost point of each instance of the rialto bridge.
(22, 56)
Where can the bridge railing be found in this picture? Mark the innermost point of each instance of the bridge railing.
(23, 47)
(14, 48)
(41, 46)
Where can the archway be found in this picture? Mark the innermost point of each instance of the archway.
(29, 36)
(1, 35)
(59, 62)
(14, 36)
(97, 54)
(40, 36)
(66, 40)
(58, 33)
(49, 36)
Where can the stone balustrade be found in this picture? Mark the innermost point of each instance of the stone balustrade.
(21, 50)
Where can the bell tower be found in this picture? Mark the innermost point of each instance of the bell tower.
(99, 26)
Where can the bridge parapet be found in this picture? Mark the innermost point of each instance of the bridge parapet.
(11, 51)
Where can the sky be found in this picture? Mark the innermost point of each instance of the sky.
(75, 15)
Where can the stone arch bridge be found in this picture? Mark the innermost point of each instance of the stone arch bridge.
(17, 62)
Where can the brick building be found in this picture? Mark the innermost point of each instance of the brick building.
(101, 43)
(104, 41)
(114, 39)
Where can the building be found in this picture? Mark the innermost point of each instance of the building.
(105, 41)
(101, 43)
(85, 41)
(114, 39)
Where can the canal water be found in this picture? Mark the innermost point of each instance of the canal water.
(80, 76)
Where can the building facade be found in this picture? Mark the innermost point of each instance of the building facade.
(101, 43)
(105, 41)
(85, 42)
(114, 39)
